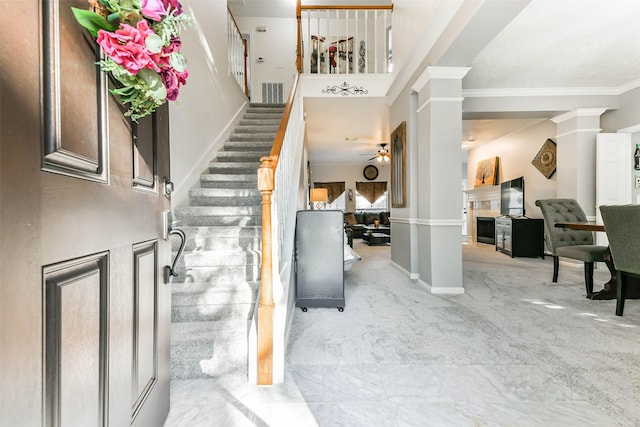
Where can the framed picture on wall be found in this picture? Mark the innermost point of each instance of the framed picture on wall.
(398, 166)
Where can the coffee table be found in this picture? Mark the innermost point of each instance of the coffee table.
(379, 229)
(374, 239)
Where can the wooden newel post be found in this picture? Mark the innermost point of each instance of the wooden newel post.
(266, 306)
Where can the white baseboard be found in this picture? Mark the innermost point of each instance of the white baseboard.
(180, 195)
(412, 276)
(442, 290)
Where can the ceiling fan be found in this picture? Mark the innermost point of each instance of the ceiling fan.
(382, 155)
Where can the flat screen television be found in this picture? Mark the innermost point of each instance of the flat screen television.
(512, 197)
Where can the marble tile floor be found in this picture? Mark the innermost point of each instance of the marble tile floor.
(514, 350)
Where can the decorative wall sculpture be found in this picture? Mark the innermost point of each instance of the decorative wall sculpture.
(545, 160)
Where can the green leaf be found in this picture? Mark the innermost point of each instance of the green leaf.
(91, 21)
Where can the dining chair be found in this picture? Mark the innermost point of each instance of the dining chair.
(574, 244)
(621, 225)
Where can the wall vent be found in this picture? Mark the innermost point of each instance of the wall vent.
(272, 93)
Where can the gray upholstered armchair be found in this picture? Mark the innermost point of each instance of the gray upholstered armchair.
(621, 224)
(575, 244)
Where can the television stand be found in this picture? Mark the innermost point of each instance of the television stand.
(520, 236)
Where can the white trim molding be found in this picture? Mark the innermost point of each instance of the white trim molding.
(403, 220)
(412, 276)
(442, 290)
(429, 222)
(578, 112)
(540, 92)
(439, 73)
(440, 222)
(439, 99)
(571, 132)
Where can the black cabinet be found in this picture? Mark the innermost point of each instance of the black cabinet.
(523, 237)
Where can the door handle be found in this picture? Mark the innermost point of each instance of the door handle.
(170, 271)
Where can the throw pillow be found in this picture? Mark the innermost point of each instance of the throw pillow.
(350, 219)
(384, 218)
(359, 218)
(369, 218)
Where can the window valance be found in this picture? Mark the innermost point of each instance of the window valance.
(334, 189)
(371, 191)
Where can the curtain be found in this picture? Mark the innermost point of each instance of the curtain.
(371, 191)
(334, 189)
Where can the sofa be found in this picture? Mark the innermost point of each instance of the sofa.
(356, 221)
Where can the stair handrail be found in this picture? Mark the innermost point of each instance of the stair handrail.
(270, 172)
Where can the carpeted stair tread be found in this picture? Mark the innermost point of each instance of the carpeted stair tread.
(234, 167)
(248, 145)
(225, 196)
(266, 121)
(218, 210)
(263, 116)
(239, 292)
(221, 274)
(228, 180)
(241, 156)
(220, 238)
(256, 128)
(219, 258)
(250, 137)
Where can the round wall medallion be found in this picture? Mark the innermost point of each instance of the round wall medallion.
(370, 172)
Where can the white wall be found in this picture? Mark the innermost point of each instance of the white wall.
(277, 48)
(350, 174)
(409, 17)
(516, 152)
(209, 103)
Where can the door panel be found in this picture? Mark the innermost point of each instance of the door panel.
(72, 147)
(75, 341)
(613, 174)
(84, 315)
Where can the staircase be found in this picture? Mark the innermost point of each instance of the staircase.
(214, 295)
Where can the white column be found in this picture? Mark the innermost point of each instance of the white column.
(439, 174)
(576, 156)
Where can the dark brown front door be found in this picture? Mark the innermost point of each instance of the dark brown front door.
(84, 311)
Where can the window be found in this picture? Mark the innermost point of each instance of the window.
(379, 205)
(337, 204)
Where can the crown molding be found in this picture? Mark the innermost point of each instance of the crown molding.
(529, 92)
(578, 112)
(439, 73)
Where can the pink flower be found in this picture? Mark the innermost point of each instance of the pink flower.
(174, 46)
(172, 81)
(170, 5)
(153, 9)
(127, 48)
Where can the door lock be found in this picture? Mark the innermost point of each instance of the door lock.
(167, 187)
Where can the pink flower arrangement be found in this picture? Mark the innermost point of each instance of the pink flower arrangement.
(141, 43)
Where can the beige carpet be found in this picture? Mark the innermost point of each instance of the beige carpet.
(514, 350)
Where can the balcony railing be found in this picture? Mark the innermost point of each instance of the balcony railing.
(344, 39)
